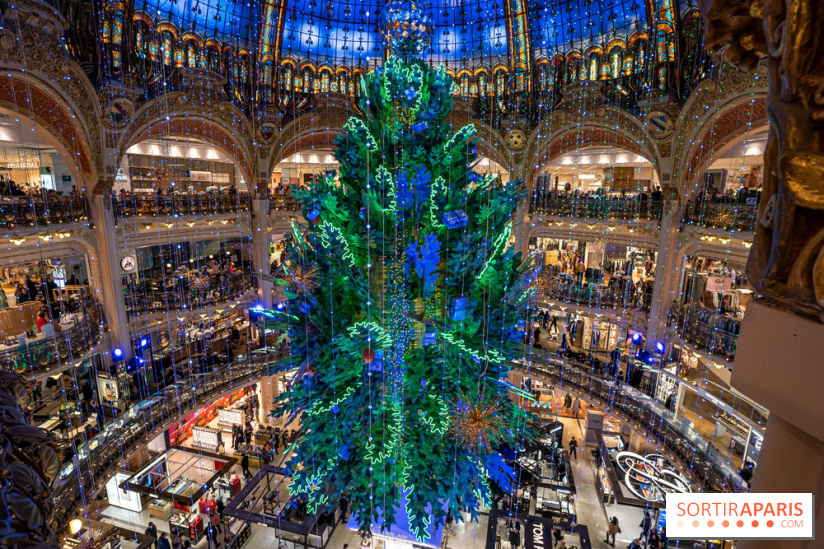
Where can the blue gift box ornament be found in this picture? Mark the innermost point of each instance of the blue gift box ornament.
(430, 337)
(313, 213)
(458, 306)
(305, 307)
(344, 452)
(377, 364)
(455, 219)
(362, 212)
(419, 127)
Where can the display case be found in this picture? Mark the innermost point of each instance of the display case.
(207, 438)
(238, 532)
(555, 501)
(188, 522)
(161, 509)
(604, 485)
(227, 417)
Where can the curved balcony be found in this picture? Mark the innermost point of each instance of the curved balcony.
(28, 211)
(176, 205)
(675, 434)
(563, 204)
(722, 215)
(284, 202)
(79, 333)
(708, 329)
(143, 420)
(176, 293)
(616, 295)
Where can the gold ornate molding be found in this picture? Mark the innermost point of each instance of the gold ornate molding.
(787, 260)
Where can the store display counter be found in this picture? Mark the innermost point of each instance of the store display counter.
(550, 500)
(189, 524)
(206, 437)
(161, 509)
(228, 417)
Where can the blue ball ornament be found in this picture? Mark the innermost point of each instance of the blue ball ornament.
(407, 27)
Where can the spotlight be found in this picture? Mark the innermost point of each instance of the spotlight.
(660, 347)
(144, 342)
(258, 308)
(280, 306)
(117, 353)
(636, 338)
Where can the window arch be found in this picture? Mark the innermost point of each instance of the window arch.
(615, 55)
(169, 37)
(594, 63)
(213, 56)
(191, 49)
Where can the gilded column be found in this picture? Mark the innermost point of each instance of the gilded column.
(778, 360)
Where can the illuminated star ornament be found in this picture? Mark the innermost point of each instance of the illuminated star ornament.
(476, 423)
(301, 278)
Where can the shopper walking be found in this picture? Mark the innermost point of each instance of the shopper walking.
(576, 407)
(244, 464)
(558, 534)
(214, 520)
(248, 433)
(220, 507)
(174, 537)
(573, 448)
(654, 541)
(612, 530)
(163, 542)
(645, 525)
(151, 531)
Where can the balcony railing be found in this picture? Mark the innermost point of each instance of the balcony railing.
(617, 295)
(722, 215)
(707, 329)
(175, 205)
(80, 333)
(27, 211)
(675, 434)
(175, 293)
(284, 202)
(101, 456)
(563, 204)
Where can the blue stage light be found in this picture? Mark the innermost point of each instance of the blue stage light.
(118, 353)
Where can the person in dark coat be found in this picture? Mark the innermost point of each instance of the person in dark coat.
(151, 531)
(645, 525)
(244, 464)
(343, 503)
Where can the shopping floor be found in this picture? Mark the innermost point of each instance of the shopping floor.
(591, 513)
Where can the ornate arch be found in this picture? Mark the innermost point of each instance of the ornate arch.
(739, 116)
(307, 132)
(37, 101)
(222, 125)
(573, 138)
(199, 128)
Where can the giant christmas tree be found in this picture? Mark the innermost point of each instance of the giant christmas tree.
(404, 305)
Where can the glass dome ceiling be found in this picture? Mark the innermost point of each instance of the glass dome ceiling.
(467, 32)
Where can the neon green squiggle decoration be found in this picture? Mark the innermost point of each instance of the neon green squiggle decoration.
(493, 356)
(443, 411)
(385, 179)
(324, 409)
(438, 187)
(497, 248)
(466, 132)
(327, 231)
(382, 339)
(356, 125)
